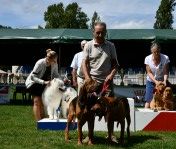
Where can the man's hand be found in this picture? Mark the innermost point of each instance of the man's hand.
(88, 78)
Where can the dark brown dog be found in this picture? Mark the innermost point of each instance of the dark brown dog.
(168, 99)
(114, 110)
(83, 113)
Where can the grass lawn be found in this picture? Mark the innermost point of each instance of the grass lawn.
(18, 131)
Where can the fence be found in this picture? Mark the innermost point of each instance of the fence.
(11, 78)
(138, 79)
(128, 79)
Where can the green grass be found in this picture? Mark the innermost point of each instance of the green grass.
(18, 130)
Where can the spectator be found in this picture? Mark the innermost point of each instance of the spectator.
(25, 69)
(77, 78)
(43, 72)
(68, 77)
(157, 66)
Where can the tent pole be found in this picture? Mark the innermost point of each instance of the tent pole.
(59, 58)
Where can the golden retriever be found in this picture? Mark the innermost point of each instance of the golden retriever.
(168, 99)
(157, 102)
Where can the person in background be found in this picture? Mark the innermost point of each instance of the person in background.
(77, 78)
(157, 67)
(43, 72)
(25, 69)
(68, 77)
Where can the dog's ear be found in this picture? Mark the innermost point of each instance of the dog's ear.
(87, 84)
(170, 93)
(103, 104)
(154, 91)
(91, 85)
(54, 79)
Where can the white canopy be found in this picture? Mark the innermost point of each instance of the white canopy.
(2, 71)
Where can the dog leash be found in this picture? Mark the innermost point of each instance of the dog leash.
(104, 89)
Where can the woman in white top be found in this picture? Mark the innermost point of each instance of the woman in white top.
(157, 67)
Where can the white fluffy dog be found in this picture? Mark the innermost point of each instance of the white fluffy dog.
(52, 96)
(68, 96)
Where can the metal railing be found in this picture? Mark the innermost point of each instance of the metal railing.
(138, 79)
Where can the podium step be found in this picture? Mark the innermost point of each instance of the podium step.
(47, 124)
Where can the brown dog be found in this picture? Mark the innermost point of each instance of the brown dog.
(83, 113)
(114, 109)
(157, 102)
(168, 99)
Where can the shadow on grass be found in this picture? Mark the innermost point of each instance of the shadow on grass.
(131, 142)
(20, 102)
(140, 139)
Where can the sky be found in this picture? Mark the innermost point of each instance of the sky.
(117, 14)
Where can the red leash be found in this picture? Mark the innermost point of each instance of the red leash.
(104, 89)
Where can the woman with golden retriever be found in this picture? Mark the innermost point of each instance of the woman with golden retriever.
(157, 65)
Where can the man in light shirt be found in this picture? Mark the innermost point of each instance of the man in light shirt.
(76, 65)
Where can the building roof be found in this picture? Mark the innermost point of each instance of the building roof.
(72, 35)
(28, 45)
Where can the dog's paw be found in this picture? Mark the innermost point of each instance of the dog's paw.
(155, 110)
(50, 117)
(56, 117)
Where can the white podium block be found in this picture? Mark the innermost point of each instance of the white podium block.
(102, 125)
(98, 126)
(148, 120)
(131, 104)
(47, 124)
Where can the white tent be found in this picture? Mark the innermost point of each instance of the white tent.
(2, 72)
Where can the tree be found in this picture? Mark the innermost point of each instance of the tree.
(54, 16)
(95, 18)
(40, 27)
(5, 27)
(57, 16)
(164, 17)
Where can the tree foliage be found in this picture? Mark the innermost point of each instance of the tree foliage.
(54, 16)
(95, 18)
(5, 27)
(164, 17)
(40, 27)
(57, 16)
